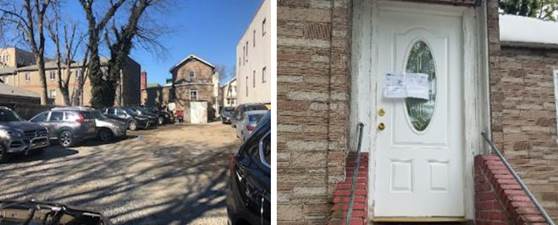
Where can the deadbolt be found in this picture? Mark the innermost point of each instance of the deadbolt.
(381, 112)
(381, 126)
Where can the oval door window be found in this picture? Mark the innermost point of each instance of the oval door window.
(420, 110)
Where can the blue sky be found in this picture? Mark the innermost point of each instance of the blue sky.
(209, 29)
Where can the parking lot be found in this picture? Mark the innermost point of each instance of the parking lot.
(175, 174)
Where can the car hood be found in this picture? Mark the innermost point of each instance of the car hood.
(20, 125)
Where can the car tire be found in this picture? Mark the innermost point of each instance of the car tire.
(133, 125)
(161, 120)
(105, 135)
(65, 138)
(4, 156)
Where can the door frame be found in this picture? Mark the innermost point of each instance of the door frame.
(476, 106)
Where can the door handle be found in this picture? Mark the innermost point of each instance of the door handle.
(381, 126)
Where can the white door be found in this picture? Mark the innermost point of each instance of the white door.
(198, 112)
(419, 153)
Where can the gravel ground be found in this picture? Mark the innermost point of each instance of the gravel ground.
(175, 174)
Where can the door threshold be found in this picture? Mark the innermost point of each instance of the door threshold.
(418, 219)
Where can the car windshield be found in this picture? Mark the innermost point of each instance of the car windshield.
(255, 107)
(8, 116)
(254, 118)
(131, 111)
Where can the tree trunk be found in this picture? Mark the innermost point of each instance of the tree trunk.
(42, 75)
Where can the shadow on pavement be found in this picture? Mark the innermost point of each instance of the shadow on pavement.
(130, 181)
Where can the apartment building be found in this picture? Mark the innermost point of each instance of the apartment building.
(253, 53)
(229, 93)
(194, 82)
(15, 57)
(27, 77)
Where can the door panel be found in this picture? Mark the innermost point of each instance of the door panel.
(419, 153)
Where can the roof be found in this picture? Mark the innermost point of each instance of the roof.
(528, 30)
(10, 90)
(189, 58)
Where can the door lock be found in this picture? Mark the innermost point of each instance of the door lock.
(381, 126)
(381, 112)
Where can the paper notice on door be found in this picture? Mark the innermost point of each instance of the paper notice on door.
(417, 85)
(394, 86)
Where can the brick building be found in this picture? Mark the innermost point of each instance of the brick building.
(194, 80)
(26, 76)
(425, 159)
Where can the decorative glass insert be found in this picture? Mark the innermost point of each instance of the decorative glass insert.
(420, 110)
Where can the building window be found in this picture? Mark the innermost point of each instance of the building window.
(52, 93)
(243, 55)
(194, 95)
(51, 75)
(192, 75)
(239, 61)
(27, 77)
(246, 84)
(246, 51)
(263, 74)
(254, 79)
(263, 27)
(254, 39)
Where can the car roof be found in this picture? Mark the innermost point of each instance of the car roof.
(73, 108)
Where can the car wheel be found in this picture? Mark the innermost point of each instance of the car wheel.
(3, 155)
(65, 138)
(133, 125)
(161, 120)
(105, 135)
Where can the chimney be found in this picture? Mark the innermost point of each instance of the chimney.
(143, 80)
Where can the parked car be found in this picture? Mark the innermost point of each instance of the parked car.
(154, 118)
(18, 135)
(164, 117)
(249, 121)
(68, 125)
(33, 212)
(132, 118)
(249, 181)
(240, 109)
(226, 114)
(108, 129)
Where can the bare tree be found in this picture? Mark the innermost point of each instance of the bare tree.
(82, 76)
(71, 40)
(121, 40)
(29, 20)
(94, 29)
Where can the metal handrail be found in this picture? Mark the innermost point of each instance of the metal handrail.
(514, 174)
(355, 175)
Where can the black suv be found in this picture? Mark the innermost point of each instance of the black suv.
(164, 117)
(249, 184)
(130, 116)
(19, 136)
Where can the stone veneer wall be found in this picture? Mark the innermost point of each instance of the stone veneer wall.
(523, 117)
(313, 56)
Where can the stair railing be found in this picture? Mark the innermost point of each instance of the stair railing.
(497, 151)
(360, 126)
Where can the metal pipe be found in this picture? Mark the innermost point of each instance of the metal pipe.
(355, 175)
(514, 174)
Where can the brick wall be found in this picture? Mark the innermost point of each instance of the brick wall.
(499, 199)
(341, 196)
(313, 106)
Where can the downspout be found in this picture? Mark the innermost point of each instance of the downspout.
(487, 70)
(332, 5)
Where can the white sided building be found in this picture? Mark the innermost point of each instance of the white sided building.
(253, 55)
